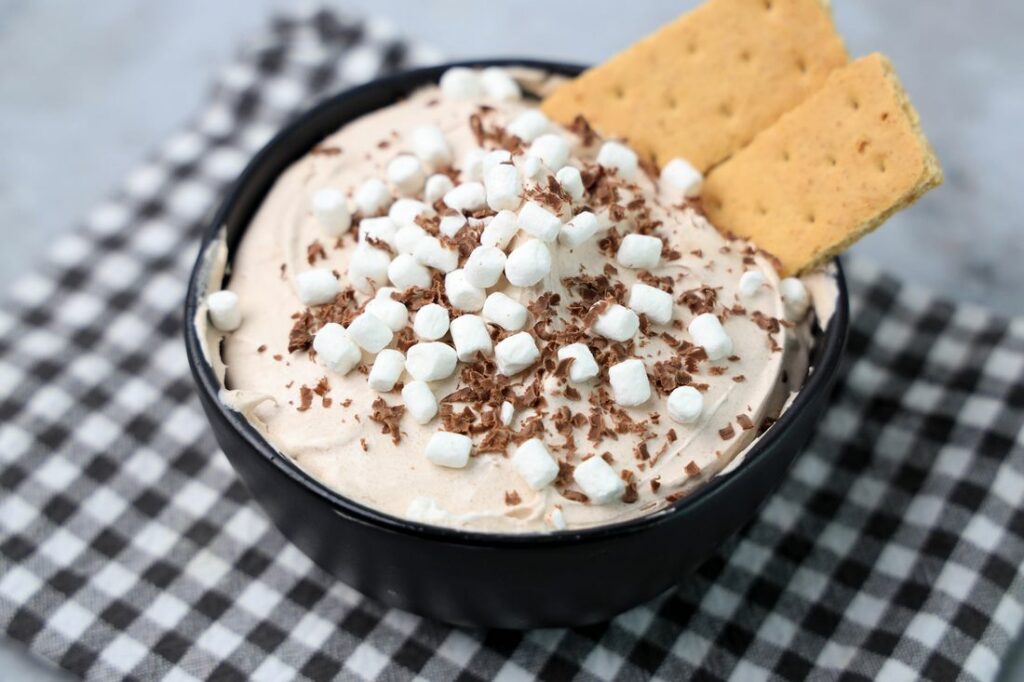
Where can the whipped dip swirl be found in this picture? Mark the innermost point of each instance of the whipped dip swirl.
(457, 311)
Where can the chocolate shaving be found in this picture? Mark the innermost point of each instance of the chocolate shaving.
(305, 398)
(315, 250)
(388, 416)
(727, 432)
(691, 468)
(745, 422)
(512, 498)
(700, 299)
(581, 127)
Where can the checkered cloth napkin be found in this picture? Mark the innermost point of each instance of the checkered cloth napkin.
(128, 547)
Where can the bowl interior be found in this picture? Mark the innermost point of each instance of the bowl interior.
(294, 141)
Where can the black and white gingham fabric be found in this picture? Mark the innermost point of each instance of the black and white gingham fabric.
(128, 548)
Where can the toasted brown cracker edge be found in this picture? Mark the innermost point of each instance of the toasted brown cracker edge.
(829, 171)
(704, 85)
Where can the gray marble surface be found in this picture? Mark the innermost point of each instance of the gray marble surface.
(88, 89)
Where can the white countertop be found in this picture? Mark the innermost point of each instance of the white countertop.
(107, 81)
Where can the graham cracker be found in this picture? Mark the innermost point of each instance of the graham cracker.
(703, 86)
(829, 171)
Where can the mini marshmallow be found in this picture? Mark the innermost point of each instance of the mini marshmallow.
(431, 253)
(685, 404)
(431, 322)
(503, 186)
(508, 411)
(557, 519)
(537, 221)
(707, 331)
(419, 401)
(372, 197)
(500, 230)
(405, 172)
(499, 85)
(494, 158)
(528, 264)
(506, 312)
(535, 464)
(426, 509)
(407, 238)
(430, 145)
(368, 268)
(331, 210)
(751, 282)
(223, 309)
(405, 272)
(617, 323)
(317, 286)
(382, 228)
(485, 266)
(369, 333)
(651, 301)
(473, 164)
(335, 350)
(532, 167)
(619, 158)
(389, 311)
(516, 353)
(571, 181)
(451, 224)
(470, 336)
(437, 186)
(598, 480)
(387, 367)
(403, 213)
(469, 196)
(639, 252)
(680, 179)
(459, 82)
(431, 361)
(578, 230)
(552, 149)
(461, 294)
(584, 367)
(529, 125)
(630, 385)
(795, 296)
(448, 449)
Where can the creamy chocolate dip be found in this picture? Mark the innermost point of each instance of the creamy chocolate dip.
(365, 443)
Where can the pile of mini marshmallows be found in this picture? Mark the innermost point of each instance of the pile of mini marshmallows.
(491, 179)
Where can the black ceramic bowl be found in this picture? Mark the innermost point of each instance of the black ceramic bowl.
(565, 578)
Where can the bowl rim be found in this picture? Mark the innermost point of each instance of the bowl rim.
(816, 386)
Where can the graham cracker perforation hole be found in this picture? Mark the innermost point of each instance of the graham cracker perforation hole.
(725, 109)
(801, 64)
(691, 48)
(831, 160)
(854, 103)
(811, 218)
(768, 5)
(785, 155)
(745, 56)
(618, 92)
